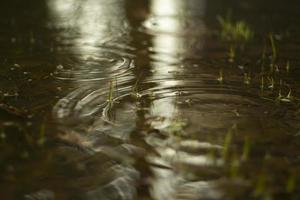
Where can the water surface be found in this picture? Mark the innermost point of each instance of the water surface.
(148, 100)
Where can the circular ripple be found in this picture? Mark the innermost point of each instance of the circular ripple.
(174, 25)
(94, 68)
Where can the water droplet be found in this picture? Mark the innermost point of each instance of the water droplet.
(24, 155)
(151, 49)
(10, 168)
(60, 67)
(29, 116)
(241, 67)
(32, 40)
(188, 101)
(2, 136)
(13, 40)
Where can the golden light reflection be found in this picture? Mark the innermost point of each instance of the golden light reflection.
(177, 7)
(89, 23)
(169, 45)
(91, 34)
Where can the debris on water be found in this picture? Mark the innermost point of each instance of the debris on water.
(13, 110)
(188, 101)
(17, 65)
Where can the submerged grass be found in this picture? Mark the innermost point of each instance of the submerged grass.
(260, 185)
(246, 149)
(291, 184)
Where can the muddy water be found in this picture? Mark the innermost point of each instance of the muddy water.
(147, 100)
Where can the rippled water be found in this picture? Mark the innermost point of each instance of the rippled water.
(145, 100)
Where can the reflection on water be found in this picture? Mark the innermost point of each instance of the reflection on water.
(97, 33)
(91, 23)
(170, 46)
(147, 106)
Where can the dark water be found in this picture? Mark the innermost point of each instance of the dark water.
(129, 99)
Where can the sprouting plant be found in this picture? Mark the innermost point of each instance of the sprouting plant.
(211, 154)
(274, 50)
(41, 139)
(234, 31)
(31, 38)
(263, 58)
(2, 135)
(111, 92)
(289, 95)
(234, 166)
(271, 83)
(177, 127)
(262, 85)
(260, 185)
(227, 143)
(287, 98)
(290, 185)
(135, 92)
(246, 149)
(287, 66)
(231, 54)
(116, 85)
(221, 76)
(247, 78)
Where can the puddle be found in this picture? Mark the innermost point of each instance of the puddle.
(149, 100)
